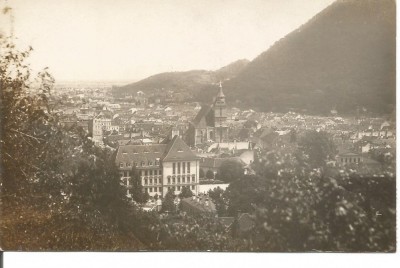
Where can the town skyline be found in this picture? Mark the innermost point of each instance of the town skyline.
(198, 126)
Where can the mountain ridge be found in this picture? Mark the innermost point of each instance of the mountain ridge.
(192, 80)
(342, 58)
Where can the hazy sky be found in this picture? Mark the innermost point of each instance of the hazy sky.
(132, 39)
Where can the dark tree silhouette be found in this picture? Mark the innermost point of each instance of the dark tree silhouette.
(168, 202)
(317, 147)
(137, 190)
(230, 170)
(186, 192)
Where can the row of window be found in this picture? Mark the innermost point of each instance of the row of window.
(125, 173)
(176, 167)
(144, 173)
(150, 181)
(151, 172)
(153, 189)
(178, 188)
(159, 189)
(184, 180)
(142, 164)
(350, 160)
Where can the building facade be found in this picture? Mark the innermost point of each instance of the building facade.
(97, 126)
(210, 124)
(160, 167)
(349, 158)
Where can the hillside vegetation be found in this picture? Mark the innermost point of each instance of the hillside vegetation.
(192, 81)
(342, 58)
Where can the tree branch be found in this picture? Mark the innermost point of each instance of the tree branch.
(27, 135)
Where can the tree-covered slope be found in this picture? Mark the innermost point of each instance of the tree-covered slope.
(342, 58)
(191, 80)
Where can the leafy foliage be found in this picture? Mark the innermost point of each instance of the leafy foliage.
(230, 170)
(210, 174)
(186, 192)
(344, 57)
(58, 192)
(216, 196)
(317, 147)
(297, 208)
(137, 190)
(168, 202)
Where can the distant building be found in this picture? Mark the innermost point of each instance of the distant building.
(210, 124)
(349, 158)
(230, 147)
(352, 159)
(199, 206)
(99, 124)
(161, 167)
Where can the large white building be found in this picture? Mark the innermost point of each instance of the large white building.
(161, 167)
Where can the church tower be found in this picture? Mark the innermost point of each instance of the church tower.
(220, 117)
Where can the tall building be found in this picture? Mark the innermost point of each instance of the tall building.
(210, 124)
(161, 167)
(220, 123)
(98, 125)
(101, 124)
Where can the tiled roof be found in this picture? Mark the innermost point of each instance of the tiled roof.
(177, 149)
(205, 109)
(240, 145)
(140, 153)
(349, 154)
(200, 203)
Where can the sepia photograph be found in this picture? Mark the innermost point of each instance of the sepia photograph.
(263, 126)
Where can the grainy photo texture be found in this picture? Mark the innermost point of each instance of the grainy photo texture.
(233, 126)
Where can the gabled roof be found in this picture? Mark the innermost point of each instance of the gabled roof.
(177, 149)
(349, 154)
(205, 109)
(201, 204)
(139, 153)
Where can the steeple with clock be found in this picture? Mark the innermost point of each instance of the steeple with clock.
(220, 117)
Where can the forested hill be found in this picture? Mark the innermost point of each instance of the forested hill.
(191, 80)
(342, 58)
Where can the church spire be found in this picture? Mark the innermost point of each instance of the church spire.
(220, 92)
